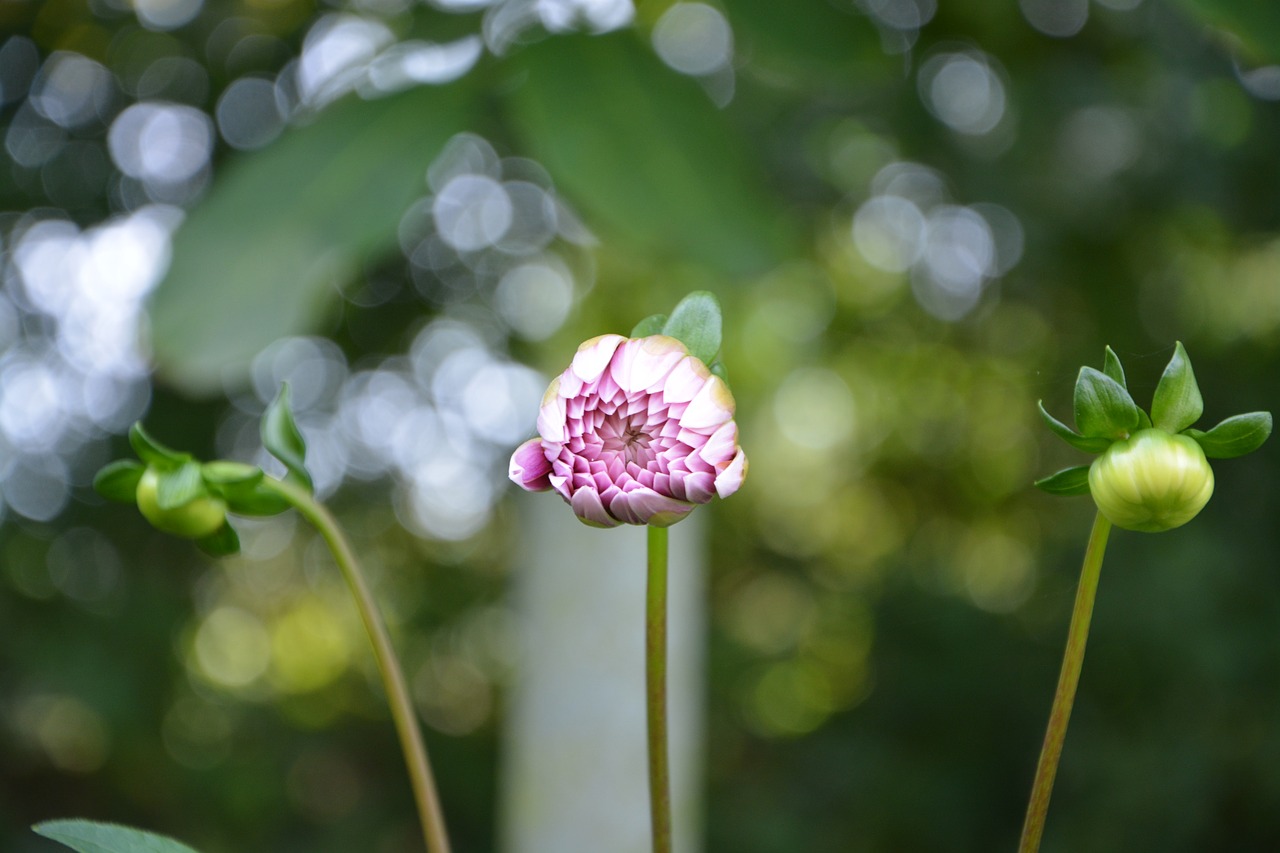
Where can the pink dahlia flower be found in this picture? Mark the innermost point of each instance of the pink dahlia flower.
(634, 431)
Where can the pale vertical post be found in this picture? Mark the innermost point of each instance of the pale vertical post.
(575, 762)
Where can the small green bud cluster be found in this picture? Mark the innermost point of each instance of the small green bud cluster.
(185, 497)
(1153, 473)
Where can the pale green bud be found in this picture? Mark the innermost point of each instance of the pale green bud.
(195, 519)
(1151, 481)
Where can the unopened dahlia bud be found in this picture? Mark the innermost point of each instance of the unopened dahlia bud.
(197, 518)
(1151, 481)
(635, 431)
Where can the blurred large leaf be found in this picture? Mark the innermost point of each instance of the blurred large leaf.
(259, 258)
(86, 836)
(645, 153)
(1255, 22)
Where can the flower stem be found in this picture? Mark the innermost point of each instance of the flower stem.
(656, 688)
(415, 751)
(1064, 696)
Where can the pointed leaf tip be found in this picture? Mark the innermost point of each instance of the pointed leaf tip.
(1070, 436)
(282, 439)
(1111, 367)
(1177, 403)
(152, 452)
(1235, 436)
(1067, 482)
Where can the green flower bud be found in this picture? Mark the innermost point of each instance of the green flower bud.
(195, 519)
(1151, 481)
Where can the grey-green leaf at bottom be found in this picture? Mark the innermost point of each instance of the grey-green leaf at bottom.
(86, 836)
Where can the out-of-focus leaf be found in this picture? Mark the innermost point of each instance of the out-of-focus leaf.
(180, 486)
(282, 439)
(260, 257)
(645, 153)
(118, 481)
(1256, 23)
(696, 323)
(223, 543)
(815, 40)
(226, 473)
(85, 836)
(651, 325)
(153, 452)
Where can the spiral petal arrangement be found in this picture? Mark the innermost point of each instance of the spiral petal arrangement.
(635, 431)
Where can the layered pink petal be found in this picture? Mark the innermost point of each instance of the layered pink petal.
(649, 507)
(730, 479)
(593, 356)
(710, 407)
(634, 432)
(551, 415)
(530, 469)
(718, 450)
(587, 506)
(685, 380)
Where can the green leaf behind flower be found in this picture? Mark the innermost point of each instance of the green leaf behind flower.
(222, 543)
(651, 325)
(85, 836)
(696, 322)
(1235, 436)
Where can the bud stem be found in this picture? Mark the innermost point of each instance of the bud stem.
(656, 690)
(415, 751)
(1064, 696)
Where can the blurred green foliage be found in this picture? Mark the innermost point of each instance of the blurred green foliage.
(888, 595)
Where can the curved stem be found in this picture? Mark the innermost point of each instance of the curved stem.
(1064, 696)
(415, 751)
(655, 646)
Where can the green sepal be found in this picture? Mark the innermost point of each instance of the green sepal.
(223, 543)
(118, 481)
(251, 499)
(86, 836)
(180, 486)
(1067, 482)
(1111, 367)
(1103, 407)
(225, 473)
(1236, 436)
(1070, 436)
(696, 323)
(1144, 420)
(152, 452)
(651, 325)
(1177, 403)
(282, 439)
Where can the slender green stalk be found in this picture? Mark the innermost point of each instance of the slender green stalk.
(415, 751)
(1064, 697)
(655, 646)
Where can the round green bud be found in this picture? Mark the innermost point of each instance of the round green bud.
(195, 519)
(1151, 481)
